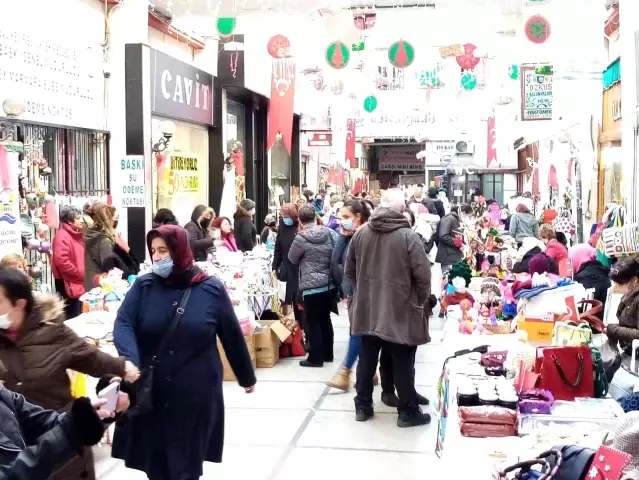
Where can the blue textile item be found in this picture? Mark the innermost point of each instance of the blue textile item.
(532, 292)
(353, 351)
(564, 282)
(630, 403)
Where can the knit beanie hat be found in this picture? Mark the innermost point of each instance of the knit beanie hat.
(627, 438)
(538, 264)
(460, 269)
(247, 204)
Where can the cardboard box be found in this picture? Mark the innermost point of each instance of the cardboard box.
(539, 329)
(267, 345)
(229, 376)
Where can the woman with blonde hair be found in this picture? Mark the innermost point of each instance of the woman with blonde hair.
(98, 241)
(554, 249)
(15, 261)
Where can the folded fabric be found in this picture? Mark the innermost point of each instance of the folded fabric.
(533, 292)
(540, 280)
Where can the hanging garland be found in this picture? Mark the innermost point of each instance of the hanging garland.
(226, 26)
(401, 54)
(537, 29)
(337, 55)
(370, 103)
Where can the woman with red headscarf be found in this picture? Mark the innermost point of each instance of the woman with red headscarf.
(173, 316)
(223, 224)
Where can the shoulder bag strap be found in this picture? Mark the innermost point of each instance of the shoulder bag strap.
(174, 323)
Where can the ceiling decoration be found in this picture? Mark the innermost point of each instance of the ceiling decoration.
(337, 55)
(401, 54)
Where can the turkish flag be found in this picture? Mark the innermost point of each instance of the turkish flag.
(350, 143)
(492, 137)
(552, 178)
(5, 175)
(280, 111)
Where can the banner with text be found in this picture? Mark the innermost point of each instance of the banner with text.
(10, 238)
(132, 177)
(400, 158)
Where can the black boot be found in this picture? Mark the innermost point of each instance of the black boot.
(422, 400)
(413, 419)
(390, 399)
(361, 415)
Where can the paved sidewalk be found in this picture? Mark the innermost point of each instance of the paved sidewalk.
(294, 426)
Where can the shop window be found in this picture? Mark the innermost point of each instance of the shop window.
(493, 187)
(463, 188)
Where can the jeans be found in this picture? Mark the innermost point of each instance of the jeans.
(354, 343)
(403, 361)
(319, 329)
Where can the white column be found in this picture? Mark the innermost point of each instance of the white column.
(128, 24)
(629, 12)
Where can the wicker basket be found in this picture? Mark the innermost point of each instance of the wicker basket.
(502, 328)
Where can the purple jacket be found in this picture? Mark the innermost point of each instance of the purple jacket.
(333, 223)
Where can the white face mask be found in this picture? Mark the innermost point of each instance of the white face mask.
(5, 323)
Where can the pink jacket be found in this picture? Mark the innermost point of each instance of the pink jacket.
(556, 251)
(228, 241)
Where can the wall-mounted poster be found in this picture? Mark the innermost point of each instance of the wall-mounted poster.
(536, 93)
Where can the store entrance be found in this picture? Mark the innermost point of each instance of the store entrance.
(463, 187)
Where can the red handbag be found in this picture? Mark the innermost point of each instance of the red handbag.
(567, 372)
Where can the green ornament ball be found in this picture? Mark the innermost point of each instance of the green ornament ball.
(468, 81)
(370, 103)
(226, 25)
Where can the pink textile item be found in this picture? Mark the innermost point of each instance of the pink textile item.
(580, 254)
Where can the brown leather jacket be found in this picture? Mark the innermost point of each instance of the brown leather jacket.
(35, 364)
(628, 315)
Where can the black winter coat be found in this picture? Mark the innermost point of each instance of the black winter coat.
(286, 271)
(123, 261)
(522, 266)
(448, 228)
(244, 230)
(594, 274)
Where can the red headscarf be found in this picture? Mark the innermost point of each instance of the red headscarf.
(177, 241)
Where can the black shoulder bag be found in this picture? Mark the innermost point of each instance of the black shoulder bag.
(144, 386)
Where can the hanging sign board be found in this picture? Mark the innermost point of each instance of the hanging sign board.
(400, 158)
(10, 236)
(321, 140)
(183, 175)
(536, 94)
(132, 177)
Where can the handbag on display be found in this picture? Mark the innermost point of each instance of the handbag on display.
(566, 372)
(564, 223)
(144, 386)
(620, 241)
(576, 461)
(524, 470)
(570, 334)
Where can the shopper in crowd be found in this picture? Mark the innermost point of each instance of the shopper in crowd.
(554, 249)
(198, 230)
(391, 277)
(590, 272)
(561, 238)
(164, 216)
(318, 204)
(269, 232)
(331, 219)
(244, 228)
(529, 249)
(98, 241)
(284, 269)
(301, 200)
(449, 248)
(523, 224)
(308, 195)
(68, 260)
(37, 349)
(625, 279)
(186, 424)
(227, 239)
(15, 261)
(36, 442)
(354, 213)
(312, 250)
(121, 257)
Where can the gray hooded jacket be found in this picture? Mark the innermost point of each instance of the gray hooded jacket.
(312, 250)
(523, 225)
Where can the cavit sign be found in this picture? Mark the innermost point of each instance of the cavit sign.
(180, 90)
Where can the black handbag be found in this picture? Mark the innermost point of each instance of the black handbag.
(576, 461)
(144, 386)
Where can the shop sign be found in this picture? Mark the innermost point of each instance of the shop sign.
(439, 148)
(58, 77)
(536, 94)
(321, 140)
(400, 158)
(179, 90)
(132, 177)
(183, 174)
(10, 237)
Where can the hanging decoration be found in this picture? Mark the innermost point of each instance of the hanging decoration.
(358, 46)
(319, 83)
(491, 142)
(430, 78)
(401, 54)
(279, 47)
(364, 21)
(370, 103)
(350, 143)
(337, 55)
(537, 29)
(338, 87)
(226, 26)
(468, 60)
(468, 81)
(513, 72)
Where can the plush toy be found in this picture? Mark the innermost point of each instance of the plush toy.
(459, 277)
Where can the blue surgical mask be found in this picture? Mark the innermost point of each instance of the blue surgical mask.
(287, 221)
(163, 267)
(348, 225)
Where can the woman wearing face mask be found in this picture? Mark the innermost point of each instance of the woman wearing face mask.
(282, 266)
(354, 214)
(186, 425)
(227, 240)
(68, 260)
(37, 349)
(625, 279)
(198, 231)
(245, 231)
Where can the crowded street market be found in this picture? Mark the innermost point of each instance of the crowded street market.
(278, 238)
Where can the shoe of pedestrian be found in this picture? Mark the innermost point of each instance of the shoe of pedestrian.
(341, 380)
(415, 419)
(306, 363)
(390, 399)
(376, 380)
(362, 415)
(422, 400)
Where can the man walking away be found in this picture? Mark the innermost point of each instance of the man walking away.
(434, 204)
(449, 249)
(391, 277)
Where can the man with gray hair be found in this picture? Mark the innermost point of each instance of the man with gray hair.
(390, 273)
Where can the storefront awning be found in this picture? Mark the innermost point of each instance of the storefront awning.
(612, 74)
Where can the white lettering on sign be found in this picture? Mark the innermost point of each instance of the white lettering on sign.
(180, 90)
(132, 176)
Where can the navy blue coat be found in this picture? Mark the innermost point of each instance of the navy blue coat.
(186, 426)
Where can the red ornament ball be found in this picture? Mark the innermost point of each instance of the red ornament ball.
(537, 29)
(279, 47)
